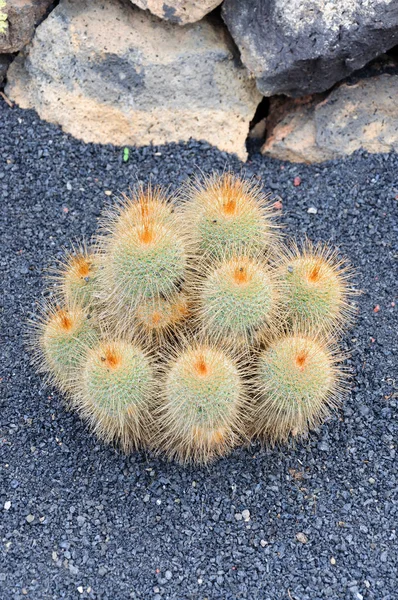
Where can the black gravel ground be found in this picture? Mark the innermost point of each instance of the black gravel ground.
(80, 521)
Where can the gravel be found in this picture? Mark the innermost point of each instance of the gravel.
(81, 521)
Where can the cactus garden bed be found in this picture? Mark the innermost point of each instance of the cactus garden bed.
(310, 520)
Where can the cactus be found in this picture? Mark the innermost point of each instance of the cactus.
(316, 288)
(158, 317)
(200, 415)
(209, 283)
(60, 341)
(145, 205)
(237, 301)
(141, 263)
(114, 390)
(297, 382)
(228, 215)
(77, 276)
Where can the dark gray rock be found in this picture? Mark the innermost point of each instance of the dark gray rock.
(22, 18)
(5, 60)
(305, 46)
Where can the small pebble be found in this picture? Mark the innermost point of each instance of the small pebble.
(301, 537)
(312, 210)
(296, 181)
(333, 560)
(263, 543)
(168, 575)
(238, 516)
(7, 505)
(246, 515)
(80, 589)
(30, 518)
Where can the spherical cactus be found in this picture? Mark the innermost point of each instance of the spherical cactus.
(114, 390)
(228, 215)
(316, 289)
(141, 263)
(157, 318)
(60, 342)
(203, 399)
(237, 301)
(297, 382)
(76, 277)
(145, 205)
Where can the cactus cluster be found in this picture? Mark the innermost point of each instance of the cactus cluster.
(190, 327)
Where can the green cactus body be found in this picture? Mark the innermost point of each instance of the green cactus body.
(115, 388)
(65, 336)
(297, 382)
(315, 290)
(228, 216)
(237, 300)
(202, 403)
(143, 263)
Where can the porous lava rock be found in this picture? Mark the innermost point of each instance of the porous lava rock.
(108, 72)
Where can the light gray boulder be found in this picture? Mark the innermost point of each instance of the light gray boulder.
(108, 72)
(363, 115)
(179, 11)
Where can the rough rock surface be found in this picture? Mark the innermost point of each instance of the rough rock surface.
(22, 17)
(179, 11)
(120, 75)
(363, 115)
(299, 47)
